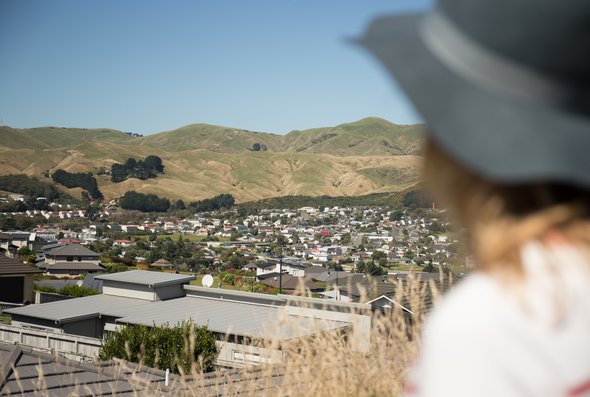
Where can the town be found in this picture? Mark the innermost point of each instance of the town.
(254, 258)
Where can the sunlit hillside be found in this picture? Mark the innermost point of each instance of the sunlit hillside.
(367, 156)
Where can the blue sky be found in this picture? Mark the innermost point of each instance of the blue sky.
(148, 66)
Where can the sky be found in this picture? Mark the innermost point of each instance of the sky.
(148, 66)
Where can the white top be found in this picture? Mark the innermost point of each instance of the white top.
(529, 339)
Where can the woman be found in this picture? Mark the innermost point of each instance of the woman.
(505, 88)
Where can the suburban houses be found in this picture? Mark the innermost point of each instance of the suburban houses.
(259, 280)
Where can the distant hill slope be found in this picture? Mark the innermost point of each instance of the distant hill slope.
(367, 156)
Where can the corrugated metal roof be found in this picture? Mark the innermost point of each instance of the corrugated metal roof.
(146, 277)
(70, 309)
(230, 317)
(9, 266)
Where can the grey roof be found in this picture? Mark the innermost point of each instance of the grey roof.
(82, 266)
(145, 277)
(20, 370)
(230, 317)
(57, 284)
(88, 306)
(73, 250)
(9, 266)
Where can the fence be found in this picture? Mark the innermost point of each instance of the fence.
(74, 347)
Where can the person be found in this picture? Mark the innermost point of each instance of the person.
(504, 86)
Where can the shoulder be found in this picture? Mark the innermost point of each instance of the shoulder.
(459, 348)
(473, 303)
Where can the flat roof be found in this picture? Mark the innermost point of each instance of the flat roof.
(231, 317)
(77, 308)
(146, 277)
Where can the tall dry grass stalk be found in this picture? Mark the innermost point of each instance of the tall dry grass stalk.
(329, 363)
(326, 364)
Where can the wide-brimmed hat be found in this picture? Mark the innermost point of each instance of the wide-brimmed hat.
(504, 85)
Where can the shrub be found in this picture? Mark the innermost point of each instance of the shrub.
(183, 349)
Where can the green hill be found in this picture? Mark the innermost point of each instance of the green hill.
(367, 156)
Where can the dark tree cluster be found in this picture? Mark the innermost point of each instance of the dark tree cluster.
(144, 202)
(417, 199)
(80, 179)
(29, 186)
(211, 204)
(259, 147)
(370, 268)
(147, 168)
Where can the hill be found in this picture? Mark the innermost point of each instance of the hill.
(367, 156)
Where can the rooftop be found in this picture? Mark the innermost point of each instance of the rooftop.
(9, 266)
(230, 317)
(78, 308)
(145, 277)
(73, 250)
(20, 368)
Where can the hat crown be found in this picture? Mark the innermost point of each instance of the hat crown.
(548, 36)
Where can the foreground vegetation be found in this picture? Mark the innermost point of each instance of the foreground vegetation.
(184, 348)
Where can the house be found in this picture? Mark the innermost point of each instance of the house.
(162, 264)
(130, 228)
(292, 266)
(16, 281)
(71, 253)
(10, 242)
(288, 282)
(155, 299)
(71, 259)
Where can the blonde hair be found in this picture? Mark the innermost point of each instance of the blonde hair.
(500, 218)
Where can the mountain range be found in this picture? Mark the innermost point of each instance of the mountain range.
(371, 155)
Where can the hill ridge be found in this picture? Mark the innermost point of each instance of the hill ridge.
(370, 155)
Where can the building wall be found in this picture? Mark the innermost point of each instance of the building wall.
(89, 327)
(29, 288)
(236, 355)
(360, 334)
(170, 291)
(35, 323)
(128, 290)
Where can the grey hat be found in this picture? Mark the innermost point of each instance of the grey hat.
(504, 85)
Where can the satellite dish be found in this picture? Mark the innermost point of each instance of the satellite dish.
(207, 280)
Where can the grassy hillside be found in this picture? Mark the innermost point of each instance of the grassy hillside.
(368, 156)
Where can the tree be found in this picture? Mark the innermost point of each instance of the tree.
(144, 202)
(184, 349)
(118, 173)
(154, 163)
(80, 179)
(179, 205)
(25, 254)
(370, 268)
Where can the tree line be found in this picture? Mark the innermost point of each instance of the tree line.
(31, 187)
(85, 180)
(218, 202)
(147, 168)
(133, 200)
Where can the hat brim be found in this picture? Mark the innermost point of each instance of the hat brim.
(497, 136)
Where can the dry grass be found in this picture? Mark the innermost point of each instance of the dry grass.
(327, 364)
(331, 364)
